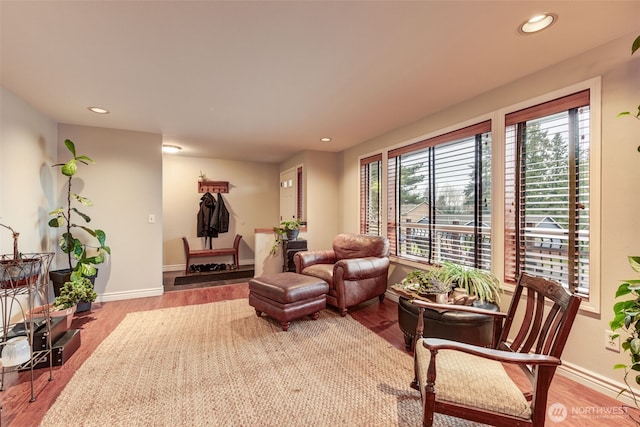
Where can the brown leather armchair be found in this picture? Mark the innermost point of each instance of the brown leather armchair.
(356, 269)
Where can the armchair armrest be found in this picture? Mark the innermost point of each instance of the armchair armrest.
(435, 344)
(305, 259)
(362, 268)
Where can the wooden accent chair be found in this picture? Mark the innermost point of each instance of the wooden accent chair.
(202, 253)
(467, 381)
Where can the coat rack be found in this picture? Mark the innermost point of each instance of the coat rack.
(213, 186)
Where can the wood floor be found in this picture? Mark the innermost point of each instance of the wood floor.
(381, 318)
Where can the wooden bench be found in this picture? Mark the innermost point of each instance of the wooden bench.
(202, 253)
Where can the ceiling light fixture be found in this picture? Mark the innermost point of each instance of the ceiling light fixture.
(325, 139)
(98, 110)
(170, 149)
(538, 23)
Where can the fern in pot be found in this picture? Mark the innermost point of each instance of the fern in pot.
(481, 284)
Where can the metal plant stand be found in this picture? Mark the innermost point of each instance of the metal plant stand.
(24, 284)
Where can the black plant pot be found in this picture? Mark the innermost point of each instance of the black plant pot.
(83, 306)
(60, 277)
(293, 234)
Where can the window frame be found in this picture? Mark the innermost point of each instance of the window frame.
(456, 135)
(592, 302)
(365, 193)
(521, 242)
(497, 117)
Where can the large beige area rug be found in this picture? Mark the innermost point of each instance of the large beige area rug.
(220, 365)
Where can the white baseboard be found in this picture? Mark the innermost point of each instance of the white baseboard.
(138, 293)
(596, 382)
(176, 267)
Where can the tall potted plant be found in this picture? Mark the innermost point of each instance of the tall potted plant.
(627, 312)
(627, 319)
(85, 255)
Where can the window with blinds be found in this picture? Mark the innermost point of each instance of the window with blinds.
(370, 201)
(547, 192)
(439, 198)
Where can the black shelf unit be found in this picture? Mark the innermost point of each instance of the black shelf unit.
(290, 247)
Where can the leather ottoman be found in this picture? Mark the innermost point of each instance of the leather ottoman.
(288, 296)
(470, 328)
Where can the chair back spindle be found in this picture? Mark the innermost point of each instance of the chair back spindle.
(541, 327)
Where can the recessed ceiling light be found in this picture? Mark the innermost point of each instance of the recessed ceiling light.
(538, 23)
(325, 139)
(170, 149)
(98, 110)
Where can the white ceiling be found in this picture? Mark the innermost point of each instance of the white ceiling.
(262, 80)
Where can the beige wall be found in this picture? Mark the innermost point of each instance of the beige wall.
(321, 185)
(252, 201)
(585, 354)
(27, 182)
(125, 185)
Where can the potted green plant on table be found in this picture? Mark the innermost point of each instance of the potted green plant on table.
(86, 256)
(290, 229)
(482, 284)
(449, 283)
(426, 283)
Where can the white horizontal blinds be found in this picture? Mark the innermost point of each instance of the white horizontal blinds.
(439, 195)
(547, 192)
(370, 203)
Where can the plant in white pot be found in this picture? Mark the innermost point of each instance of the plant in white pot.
(73, 240)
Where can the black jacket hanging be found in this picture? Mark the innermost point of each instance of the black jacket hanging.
(205, 218)
(221, 216)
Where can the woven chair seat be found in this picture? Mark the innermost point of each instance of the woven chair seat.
(472, 381)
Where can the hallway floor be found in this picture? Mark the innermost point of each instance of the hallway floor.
(208, 278)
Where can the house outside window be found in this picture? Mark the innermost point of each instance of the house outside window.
(439, 198)
(370, 201)
(547, 192)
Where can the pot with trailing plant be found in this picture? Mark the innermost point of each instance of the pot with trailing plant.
(84, 246)
(288, 229)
